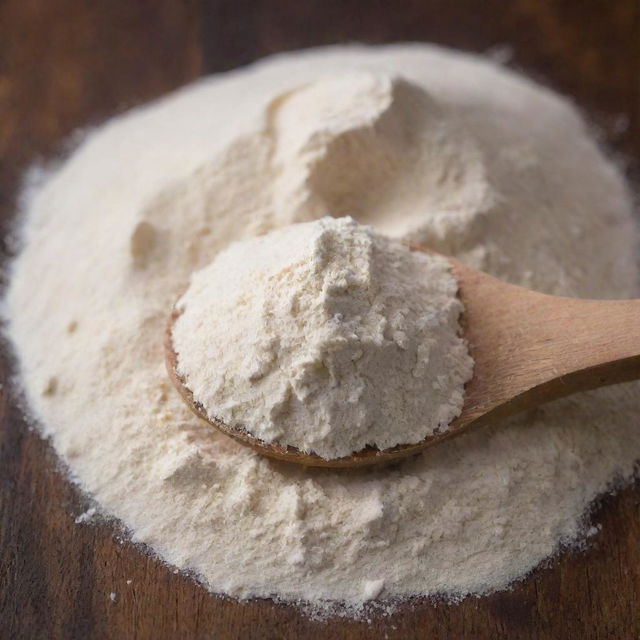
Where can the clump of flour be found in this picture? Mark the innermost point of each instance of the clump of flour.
(325, 336)
(429, 146)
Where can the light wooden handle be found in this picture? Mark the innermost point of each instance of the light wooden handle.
(543, 347)
(597, 342)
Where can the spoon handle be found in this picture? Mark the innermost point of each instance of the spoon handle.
(588, 343)
(542, 347)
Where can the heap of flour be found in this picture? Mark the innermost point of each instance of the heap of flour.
(427, 145)
(324, 336)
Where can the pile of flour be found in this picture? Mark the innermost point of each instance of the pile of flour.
(427, 145)
(324, 336)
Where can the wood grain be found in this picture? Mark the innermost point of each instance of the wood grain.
(70, 63)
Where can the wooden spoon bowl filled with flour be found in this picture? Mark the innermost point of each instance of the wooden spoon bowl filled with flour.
(321, 340)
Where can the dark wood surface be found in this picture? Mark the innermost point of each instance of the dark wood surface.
(70, 63)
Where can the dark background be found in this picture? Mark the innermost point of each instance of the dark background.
(65, 64)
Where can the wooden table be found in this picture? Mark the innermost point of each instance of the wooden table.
(70, 63)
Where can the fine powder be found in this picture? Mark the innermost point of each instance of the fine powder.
(325, 336)
(434, 147)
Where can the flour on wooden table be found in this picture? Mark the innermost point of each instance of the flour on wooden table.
(427, 145)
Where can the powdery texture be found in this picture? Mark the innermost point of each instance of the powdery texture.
(325, 336)
(459, 155)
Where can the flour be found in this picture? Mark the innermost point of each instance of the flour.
(325, 336)
(438, 148)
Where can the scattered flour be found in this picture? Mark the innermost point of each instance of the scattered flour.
(325, 336)
(427, 145)
(86, 516)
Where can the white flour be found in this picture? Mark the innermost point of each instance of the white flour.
(460, 155)
(325, 336)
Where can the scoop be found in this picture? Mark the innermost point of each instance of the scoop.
(529, 348)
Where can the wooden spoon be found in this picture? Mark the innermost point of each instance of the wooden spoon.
(528, 347)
